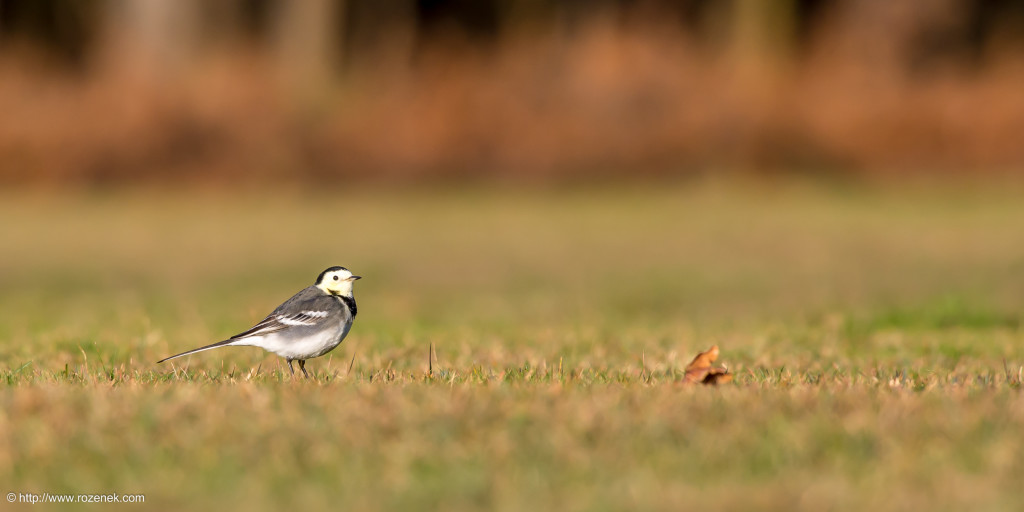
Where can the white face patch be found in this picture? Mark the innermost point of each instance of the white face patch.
(337, 282)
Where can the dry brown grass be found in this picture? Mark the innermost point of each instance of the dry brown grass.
(874, 337)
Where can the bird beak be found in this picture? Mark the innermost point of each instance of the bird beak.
(356, 278)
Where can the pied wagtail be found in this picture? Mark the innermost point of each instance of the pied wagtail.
(310, 324)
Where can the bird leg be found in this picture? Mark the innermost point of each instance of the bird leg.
(302, 366)
(290, 367)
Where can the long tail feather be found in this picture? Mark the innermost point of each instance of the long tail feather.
(200, 349)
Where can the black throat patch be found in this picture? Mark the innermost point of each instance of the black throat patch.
(350, 302)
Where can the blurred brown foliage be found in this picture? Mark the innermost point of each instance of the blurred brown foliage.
(272, 92)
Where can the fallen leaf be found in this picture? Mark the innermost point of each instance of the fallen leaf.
(717, 376)
(700, 369)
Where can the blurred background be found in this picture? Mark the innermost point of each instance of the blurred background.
(539, 174)
(829, 190)
(109, 92)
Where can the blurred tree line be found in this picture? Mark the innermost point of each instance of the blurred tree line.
(337, 31)
(108, 91)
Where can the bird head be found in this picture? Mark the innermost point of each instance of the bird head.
(336, 281)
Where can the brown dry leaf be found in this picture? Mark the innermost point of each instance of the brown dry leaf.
(700, 369)
(718, 375)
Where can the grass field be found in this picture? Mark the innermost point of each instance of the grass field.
(875, 337)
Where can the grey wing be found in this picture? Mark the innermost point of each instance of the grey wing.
(307, 308)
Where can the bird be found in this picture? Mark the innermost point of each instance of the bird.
(310, 324)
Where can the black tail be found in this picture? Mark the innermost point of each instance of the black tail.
(200, 349)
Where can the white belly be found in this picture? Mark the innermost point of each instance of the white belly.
(300, 348)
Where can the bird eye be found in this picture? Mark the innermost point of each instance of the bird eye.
(335, 278)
